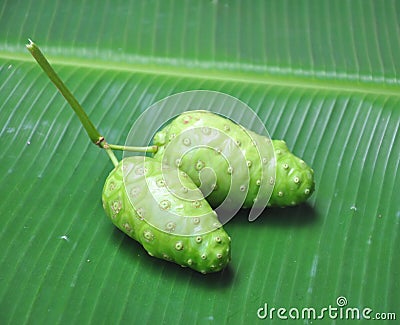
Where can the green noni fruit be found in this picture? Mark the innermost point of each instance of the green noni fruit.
(294, 182)
(197, 140)
(138, 197)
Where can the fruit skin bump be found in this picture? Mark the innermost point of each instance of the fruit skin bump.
(202, 244)
(221, 138)
(294, 182)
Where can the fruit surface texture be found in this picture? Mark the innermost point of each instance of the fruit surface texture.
(294, 182)
(169, 227)
(245, 166)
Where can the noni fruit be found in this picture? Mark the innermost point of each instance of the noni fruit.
(294, 181)
(199, 140)
(148, 203)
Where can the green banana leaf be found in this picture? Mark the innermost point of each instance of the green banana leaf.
(323, 75)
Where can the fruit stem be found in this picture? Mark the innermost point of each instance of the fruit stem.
(91, 130)
(151, 149)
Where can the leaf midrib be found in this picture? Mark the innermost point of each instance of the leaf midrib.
(184, 69)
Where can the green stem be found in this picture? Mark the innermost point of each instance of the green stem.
(112, 156)
(91, 130)
(152, 149)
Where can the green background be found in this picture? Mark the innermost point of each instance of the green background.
(323, 75)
